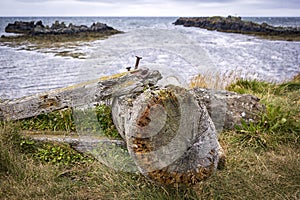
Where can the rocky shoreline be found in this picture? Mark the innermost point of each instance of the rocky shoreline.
(38, 28)
(60, 39)
(237, 25)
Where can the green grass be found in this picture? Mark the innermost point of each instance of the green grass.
(280, 124)
(104, 118)
(263, 160)
(97, 119)
(61, 120)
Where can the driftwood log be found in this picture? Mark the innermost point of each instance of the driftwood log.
(76, 95)
(170, 132)
(170, 136)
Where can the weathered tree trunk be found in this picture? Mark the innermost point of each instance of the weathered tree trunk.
(170, 136)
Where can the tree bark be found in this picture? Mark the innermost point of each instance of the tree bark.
(170, 136)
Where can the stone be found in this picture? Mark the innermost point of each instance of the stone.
(38, 29)
(20, 27)
(228, 109)
(40, 23)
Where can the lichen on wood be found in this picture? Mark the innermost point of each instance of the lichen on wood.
(171, 137)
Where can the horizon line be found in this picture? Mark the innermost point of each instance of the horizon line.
(137, 16)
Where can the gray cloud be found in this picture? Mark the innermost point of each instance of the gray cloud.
(292, 4)
(116, 2)
(205, 1)
(33, 1)
(151, 7)
(269, 4)
(157, 1)
(266, 4)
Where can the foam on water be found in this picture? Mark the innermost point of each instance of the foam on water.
(27, 72)
(252, 57)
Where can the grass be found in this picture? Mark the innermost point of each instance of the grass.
(61, 120)
(97, 119)
(25, 177)
(263, 160)
(213, 80)
(280, 124)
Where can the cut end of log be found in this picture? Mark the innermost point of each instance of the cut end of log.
(171, 137)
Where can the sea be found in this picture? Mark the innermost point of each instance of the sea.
(178, 52)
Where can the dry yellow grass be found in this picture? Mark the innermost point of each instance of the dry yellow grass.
(213, 80)
(249, 174)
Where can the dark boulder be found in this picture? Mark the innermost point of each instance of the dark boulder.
(20, 27)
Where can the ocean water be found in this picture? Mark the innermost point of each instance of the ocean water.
(178, 52)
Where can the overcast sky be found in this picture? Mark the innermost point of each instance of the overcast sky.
(149, 7)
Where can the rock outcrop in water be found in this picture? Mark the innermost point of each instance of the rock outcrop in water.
(38, 28)
(236, 25)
